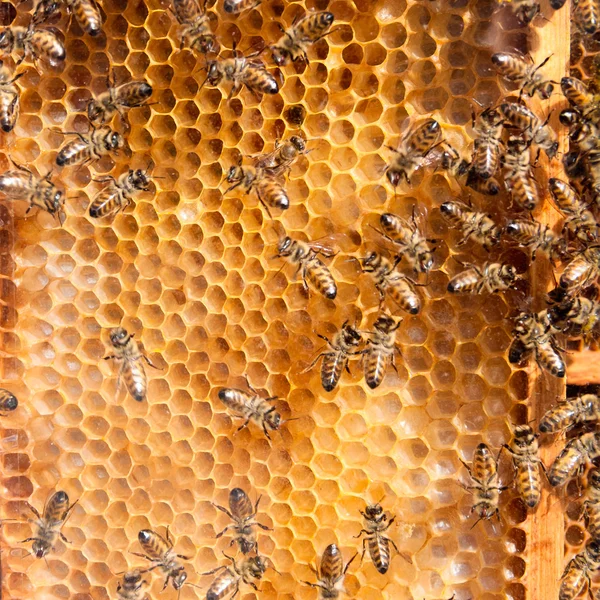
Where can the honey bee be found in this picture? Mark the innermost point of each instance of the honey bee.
(90, 146)
(411, 244)
(32, 40)
(235, 7)
(533, 335)
(491, 278)
(579, 218)
(582, 270)
(518, 177)
(524, 449)
(473, 224)
(524, 10)
(514, 67)
(241, 71)
(577, 572)
(412, 151)
(336, 359)
(9, 99)
(252, 567)
(159, 551)
(576, 317)
(116, 196)
(128, 355)
(48, 525)
(571, 412)
(312, 269)
(486, 488)
(537, 237)
(585, 103)
(126, 95)
(376, 524)
(587, 15)
(8, 402)
(283, 156)
(296, 40)
(390, 281)
(131, 586)
(488, 145)
(591, 505)
(22, 184)
(269, 191)
(578, 451)
(195, 27)
(541, 134)
(252, 407)
(242, 513)
(380, 349)
(455, 165)
(330, 574)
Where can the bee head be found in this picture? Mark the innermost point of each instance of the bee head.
(246, 545)
(206, 44)
(594, 478)
(258, 565)
(298, 143)
(425, 261)
(593, 549)
(510, 272)
(229, 6)
(11, 403)
(384, 323)
(95, 111)
(284, 246)
(374, 511)
(132, 578)
(179, 578)
(393, 177)
(7, 39)
(350, 335)
(279, 55)
(213, 75)
(369, 263)
(273, 420)
(120, 337)
(40, 548)
(235, 173)
(139, 179)
(523, 434)
(116, 141)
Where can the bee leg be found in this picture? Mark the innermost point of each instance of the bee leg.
(164, 587)
(108, 357)
(264, 527)
(30, 539)
(150, 362)
(34, 510)
(245, 424)
(213, 571)
(63, 538)
(264, 204)
(314, 362)
(223, 509)
(264, 426)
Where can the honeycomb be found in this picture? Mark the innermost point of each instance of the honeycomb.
(191, 272)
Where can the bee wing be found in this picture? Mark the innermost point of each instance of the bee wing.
(333, 243)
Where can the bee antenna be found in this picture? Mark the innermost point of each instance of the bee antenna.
(204, 82)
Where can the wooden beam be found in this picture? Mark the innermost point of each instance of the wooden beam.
(583, 367)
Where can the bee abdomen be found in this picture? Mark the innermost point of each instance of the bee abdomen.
(529, 484)
(260, 79)
(322, 279)
(273, 194)
(564, 465)
(379, 550)
(104, 205)
(331, 370)
(50, 45)
(557, 418)
(375, 367)
(135, 379)
(72, 153)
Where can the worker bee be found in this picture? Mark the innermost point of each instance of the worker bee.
(312, 269)
(486, 488)
(242, 513)
(330, 574)
(591, 505)
(585, 102)
(488, 145)
(195, 27)
(472, 224)
(269, 191)
(131, 586)
(571, 412)
(577, 572)
(335, 360)
(241, 71)
(159, 551)
(579, 219)
(380, 349)
(491, 278)
(128, 355)
(533, 335)
(537, 237)
(8, 402)
(587, 15)
(86, 13)
(252, 407)
(9, 99)
(376, 524)
(48, 525)
(411, 244)
(296, 40)
(518, 177)
(285, 153)
(116, 196)
(524, 449)
(252, 567)
(126, 95)
(582, 270)
(514, 67)
(577, 452)
(576, 317)
(412, 151)
(524, 10)
(395, 284)
(452, 162)
(541, 134)
(32, 40)
(235, 7)
(22, 184)
(90, 146)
